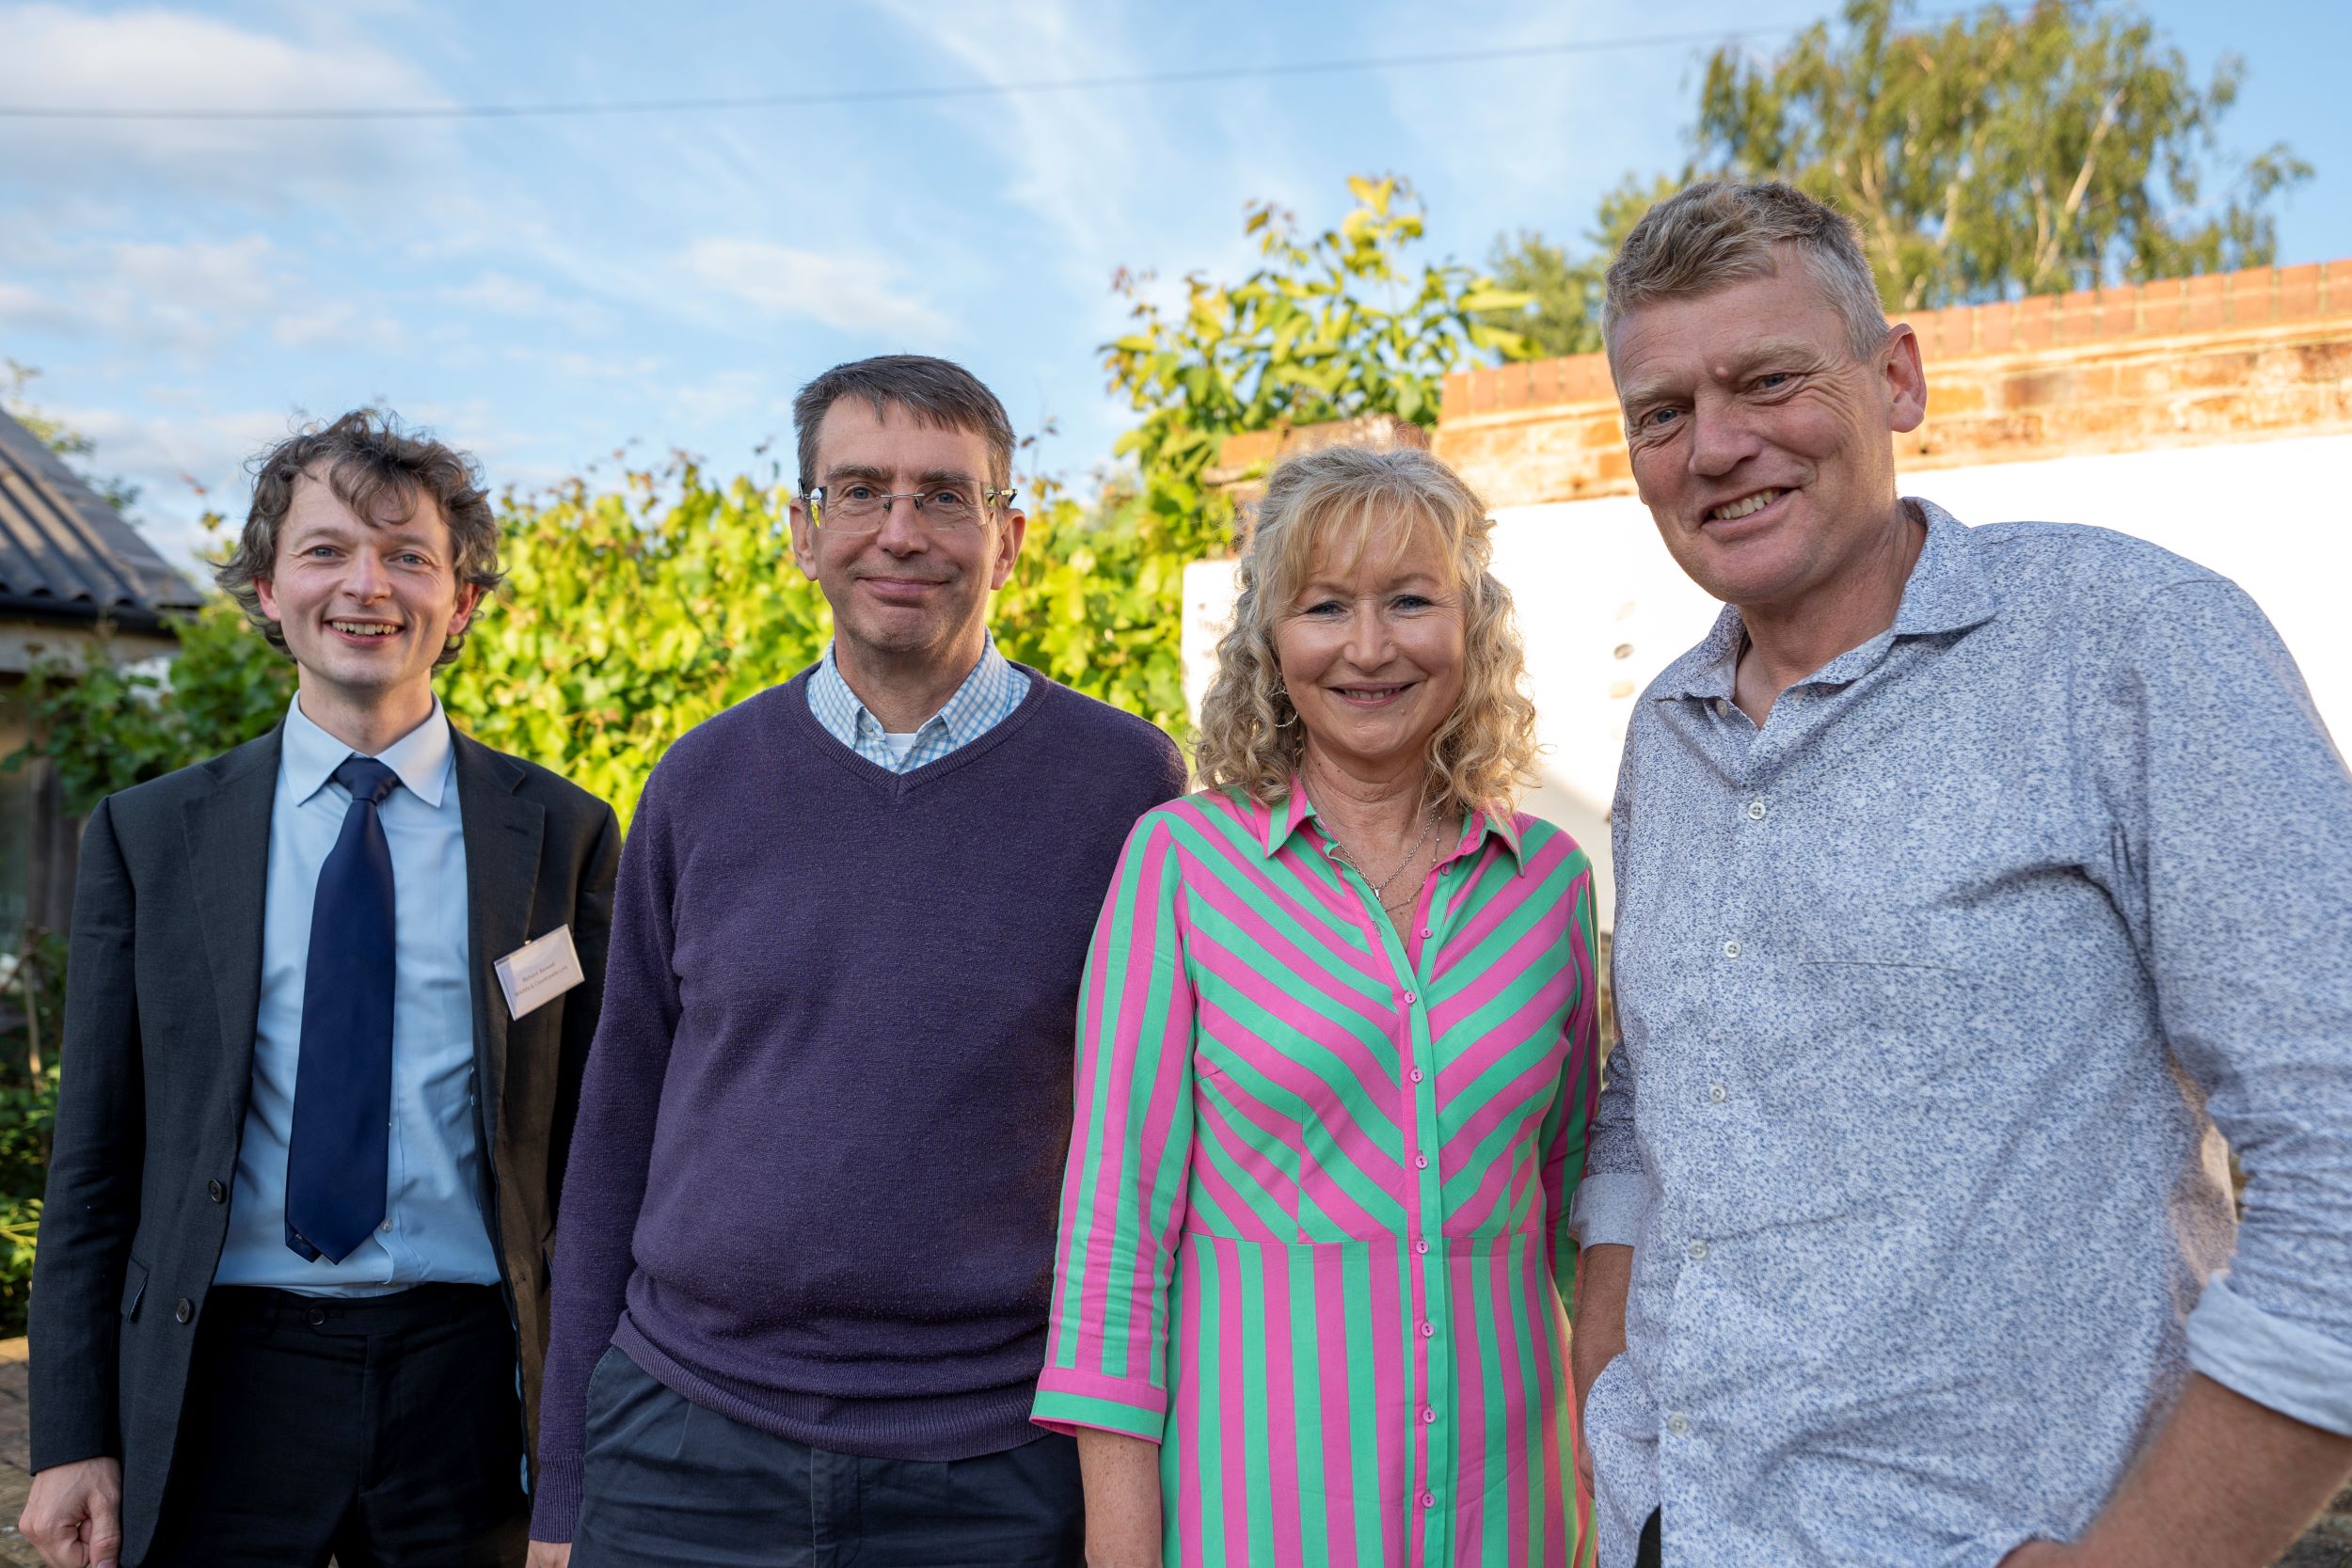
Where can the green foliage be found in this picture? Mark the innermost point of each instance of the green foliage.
(107, 723)
(1332, 326)
(632, 616)
(28, 1109)
(1091, 600)
(1984, 157)
(1561, 315)
(1998, 154)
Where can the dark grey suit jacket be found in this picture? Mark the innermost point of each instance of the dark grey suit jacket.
(162, 990)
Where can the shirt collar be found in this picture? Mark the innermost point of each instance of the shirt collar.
(1283, 818)
(308, 755)
(964, 716)
(1949, 591)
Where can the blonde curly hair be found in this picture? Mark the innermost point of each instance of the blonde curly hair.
(1250, 739)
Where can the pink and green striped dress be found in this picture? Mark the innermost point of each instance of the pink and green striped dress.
(1313, 1228)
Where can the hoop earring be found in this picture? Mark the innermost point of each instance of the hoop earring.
(1284, 694)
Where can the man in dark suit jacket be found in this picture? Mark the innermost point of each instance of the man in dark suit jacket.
(291, 1293)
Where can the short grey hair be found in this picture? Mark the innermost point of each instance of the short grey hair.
(938, 392)
(1718, 233)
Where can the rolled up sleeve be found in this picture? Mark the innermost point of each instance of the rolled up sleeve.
(2236, 817)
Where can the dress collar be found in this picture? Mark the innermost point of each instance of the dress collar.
(1284, 817)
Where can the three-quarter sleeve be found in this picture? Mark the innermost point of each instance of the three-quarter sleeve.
(1568, 1121)
(1129, 1155)
(2234, 872)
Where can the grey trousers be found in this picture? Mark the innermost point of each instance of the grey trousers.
(665, 1483)
(1651, 1553)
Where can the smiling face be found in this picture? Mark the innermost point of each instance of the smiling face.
(908, 594)
(1372, 647)
(1761, 444)
(366, 606)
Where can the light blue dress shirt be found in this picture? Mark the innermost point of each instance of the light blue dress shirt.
(432, 1229)
(1939, 991)
(985, 699)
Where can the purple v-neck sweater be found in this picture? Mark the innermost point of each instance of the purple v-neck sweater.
(815, 1178)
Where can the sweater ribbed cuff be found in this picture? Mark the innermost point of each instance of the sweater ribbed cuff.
(555, 1503)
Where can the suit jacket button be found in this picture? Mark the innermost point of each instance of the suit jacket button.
(182, 1312)
(214, 1191)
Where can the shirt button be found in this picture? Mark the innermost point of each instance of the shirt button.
(1755, 811)
(214, 1191)
(1414, 1076)
(1421, 1161)
(318, 1316)
(386, 1226)
(1698, 1251)
(182, 1312)
(1420, 1246)
(1427, 932)
(1716, 1093)
(1722, 709)
(1428, 1329)
(1678, 1424)
(1731, 949)
(1411, 998)
(1428, 1500)
(1428, 1417)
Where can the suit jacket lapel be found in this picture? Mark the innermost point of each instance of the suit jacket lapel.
(502, 834)
(227, 839)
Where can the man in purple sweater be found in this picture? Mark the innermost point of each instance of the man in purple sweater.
(808, 1221)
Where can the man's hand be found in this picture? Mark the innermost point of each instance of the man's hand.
(549, 1553)
(1604, 1275)
(2226, 1484)
(73, 1515)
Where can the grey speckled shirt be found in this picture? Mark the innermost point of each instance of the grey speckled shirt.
(1939, 994)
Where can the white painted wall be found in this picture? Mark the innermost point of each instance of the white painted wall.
(1604, 609)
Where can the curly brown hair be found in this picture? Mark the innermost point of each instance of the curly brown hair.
(367, 457)
(1249, 737)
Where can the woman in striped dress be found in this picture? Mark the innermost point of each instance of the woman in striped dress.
(1336, 1059)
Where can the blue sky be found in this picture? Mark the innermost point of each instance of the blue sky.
(544, 291)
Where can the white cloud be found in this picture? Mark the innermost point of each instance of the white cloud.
(852, 293)
(339, 326)
(152, 57)
(502, 294)
(187, 296)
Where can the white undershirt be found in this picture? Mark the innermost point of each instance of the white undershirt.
(899, 744)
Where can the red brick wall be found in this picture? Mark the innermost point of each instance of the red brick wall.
(2234, 356)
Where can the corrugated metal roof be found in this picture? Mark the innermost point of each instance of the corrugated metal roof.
(66, 554)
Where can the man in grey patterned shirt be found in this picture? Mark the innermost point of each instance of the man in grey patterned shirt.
(1974, 884)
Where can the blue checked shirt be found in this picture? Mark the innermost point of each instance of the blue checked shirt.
(1939, 994)
(987, 698)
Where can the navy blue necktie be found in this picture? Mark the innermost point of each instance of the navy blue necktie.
(337, 1158)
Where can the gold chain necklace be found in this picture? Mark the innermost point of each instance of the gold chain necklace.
(1380, 888)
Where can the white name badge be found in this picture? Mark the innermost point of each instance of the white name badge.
(539, 971)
